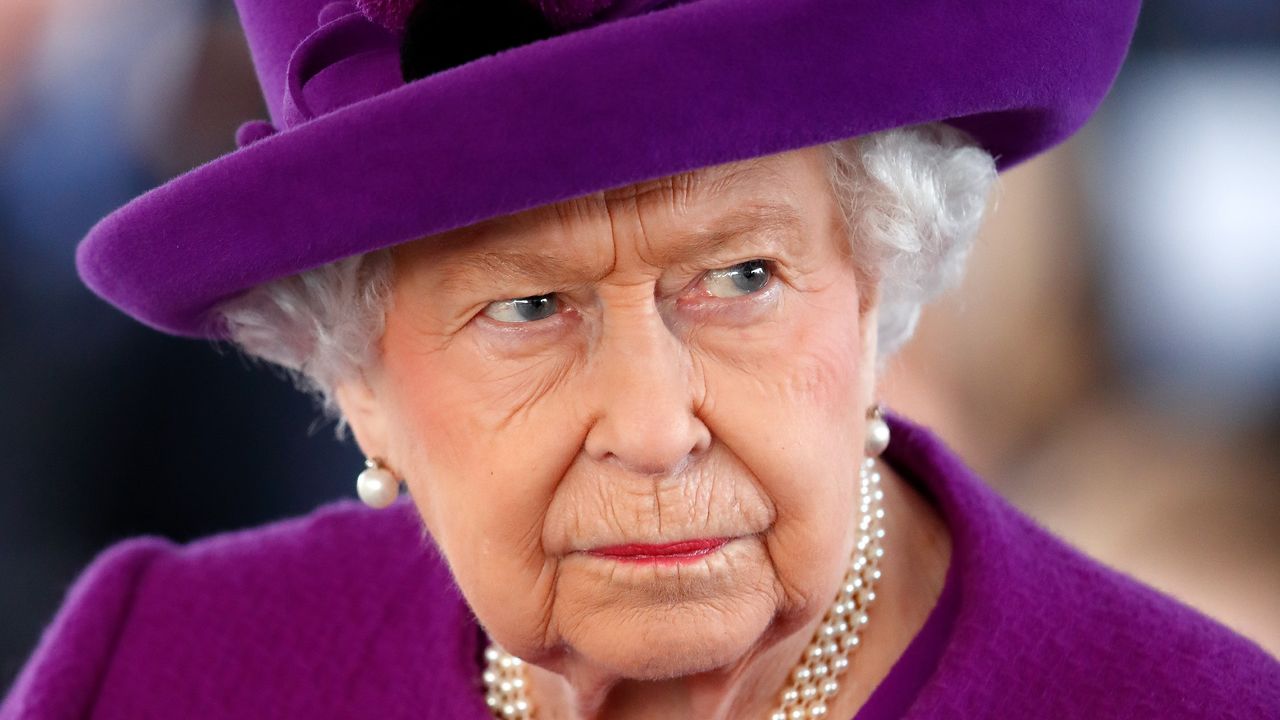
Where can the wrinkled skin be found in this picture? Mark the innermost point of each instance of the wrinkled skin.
(663, 392)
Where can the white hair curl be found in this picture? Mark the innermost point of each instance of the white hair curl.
(912, 198)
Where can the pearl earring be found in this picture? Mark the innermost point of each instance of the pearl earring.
(376, 485)
(877, 432)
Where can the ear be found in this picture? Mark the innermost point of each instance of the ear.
(364, 414)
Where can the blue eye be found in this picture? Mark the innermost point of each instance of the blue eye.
(741, 279)
(522, 310)
(744, 278)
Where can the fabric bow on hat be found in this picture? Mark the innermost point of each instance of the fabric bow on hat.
(358, 48)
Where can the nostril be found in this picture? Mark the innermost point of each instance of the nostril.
(653, 468)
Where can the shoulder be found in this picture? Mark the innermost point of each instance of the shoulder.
(1044, 630)
(1102, 644)
(60, 679)
(283, 616)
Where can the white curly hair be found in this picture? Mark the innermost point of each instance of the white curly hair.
(913, 199)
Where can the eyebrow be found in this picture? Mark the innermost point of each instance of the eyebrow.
(751, 225)
(753, 222)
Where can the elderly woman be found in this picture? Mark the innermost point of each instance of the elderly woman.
(606, 286)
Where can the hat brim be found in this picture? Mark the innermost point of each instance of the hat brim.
(690, 86)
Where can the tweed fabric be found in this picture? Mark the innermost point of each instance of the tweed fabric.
(351, 613)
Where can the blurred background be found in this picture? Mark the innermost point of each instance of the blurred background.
(1112, 363)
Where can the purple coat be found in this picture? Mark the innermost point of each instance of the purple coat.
(351, 613)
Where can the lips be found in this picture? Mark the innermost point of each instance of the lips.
(683, 551)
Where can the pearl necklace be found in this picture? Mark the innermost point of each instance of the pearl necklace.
(813, 680)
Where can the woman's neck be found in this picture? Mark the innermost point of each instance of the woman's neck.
(917, 554)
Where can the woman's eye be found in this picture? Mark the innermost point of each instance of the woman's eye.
(737, 280)
(522, 310)
(734, 281)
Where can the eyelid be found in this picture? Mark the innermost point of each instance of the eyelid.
(705, 298)
(770, 266)
(509, 302)
(524, 329)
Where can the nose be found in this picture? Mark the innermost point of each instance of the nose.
(645, 394)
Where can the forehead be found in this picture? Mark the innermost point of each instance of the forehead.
(765, 180)
(703, 207)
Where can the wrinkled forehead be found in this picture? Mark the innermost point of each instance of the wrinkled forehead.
(709, 183)
(714, 215)
(773, 182)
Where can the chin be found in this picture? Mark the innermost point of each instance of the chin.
(669, 642)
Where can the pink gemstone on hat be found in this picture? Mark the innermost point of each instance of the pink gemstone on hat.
(394, 14)
(389, 13)
(567, 13)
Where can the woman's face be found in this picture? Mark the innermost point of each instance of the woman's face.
(688, 359)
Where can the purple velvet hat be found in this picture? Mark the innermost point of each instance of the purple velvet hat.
(391, 119)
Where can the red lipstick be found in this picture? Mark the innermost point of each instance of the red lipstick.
(683, 551)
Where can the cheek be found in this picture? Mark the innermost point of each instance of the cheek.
(793, 416)
(486, 443)
(794, 395)
(483, 434)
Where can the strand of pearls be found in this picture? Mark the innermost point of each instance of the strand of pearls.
(813, 681)
(505, 684)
